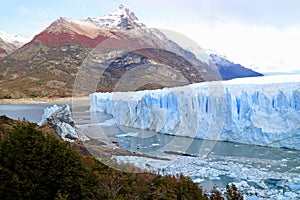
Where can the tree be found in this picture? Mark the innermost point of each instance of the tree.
(233, 193)
(36, 165)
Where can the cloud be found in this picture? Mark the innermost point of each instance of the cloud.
(263, 35)
(24, 10)
(262, 48)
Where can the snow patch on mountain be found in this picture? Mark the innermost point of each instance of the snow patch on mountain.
(121, 19)
(78, 26)
(15, 39)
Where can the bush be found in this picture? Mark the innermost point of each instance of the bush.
(39, 166)
(233, 193)
(7, 97)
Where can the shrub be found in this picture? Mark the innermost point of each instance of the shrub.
(35, 165)
(232, 193)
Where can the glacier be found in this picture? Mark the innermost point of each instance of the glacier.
(59, 117)
(260, 110)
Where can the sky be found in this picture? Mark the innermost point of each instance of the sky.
(263, 35)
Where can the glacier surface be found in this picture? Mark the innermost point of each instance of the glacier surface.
(61, 120)
(261, 110)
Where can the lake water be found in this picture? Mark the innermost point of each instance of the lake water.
(270, 173)
(29, 112)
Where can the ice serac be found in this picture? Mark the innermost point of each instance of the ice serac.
(261, 111)
(61, 120)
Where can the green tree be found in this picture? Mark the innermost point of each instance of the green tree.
(35, 165)
(38, 165)
(232, 193)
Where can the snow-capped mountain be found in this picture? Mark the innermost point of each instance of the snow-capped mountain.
(229, 69)
(121, 25)
(51, 60)
(110, 47)
(15, 39)
(226, 68)
(122, 18)
(91, 27)
(11, 42)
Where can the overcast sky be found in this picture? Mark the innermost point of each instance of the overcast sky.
(261, 34)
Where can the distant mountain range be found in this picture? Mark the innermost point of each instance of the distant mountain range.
(115, 52)
(10, 42)
(228, 69)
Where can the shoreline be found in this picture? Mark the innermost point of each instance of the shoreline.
(42, 100)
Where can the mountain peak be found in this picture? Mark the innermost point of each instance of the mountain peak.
(124, 12)
(122, 18)
(123, 8)
(71, 26)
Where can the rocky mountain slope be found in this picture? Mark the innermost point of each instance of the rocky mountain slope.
(109, 50)
(115, 52)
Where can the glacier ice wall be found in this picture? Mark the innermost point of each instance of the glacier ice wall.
(261, 111)
(61, 120)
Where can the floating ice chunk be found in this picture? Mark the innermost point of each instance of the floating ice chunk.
(295, 187)
(130, 134)
(198, 180)
(253, 198)
(291, 195)
(109, 122)
(155, 144)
